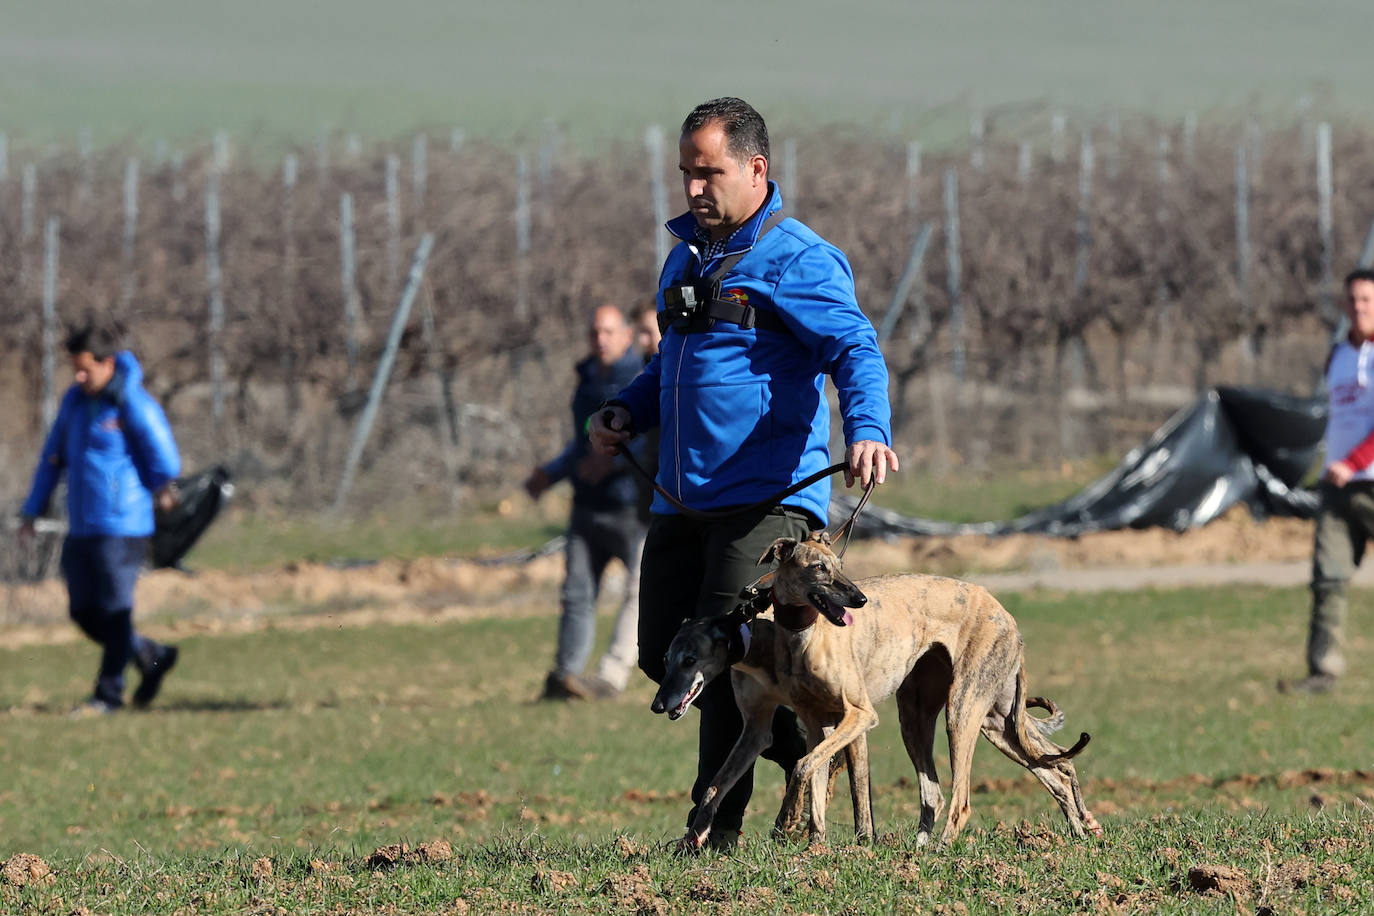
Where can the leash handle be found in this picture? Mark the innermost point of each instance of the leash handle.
(847, 529)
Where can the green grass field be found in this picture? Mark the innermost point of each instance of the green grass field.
(325, 744)
(284, 69)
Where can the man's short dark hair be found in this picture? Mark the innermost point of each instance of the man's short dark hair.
(745, 133)
(1362, 273)
(100, 336)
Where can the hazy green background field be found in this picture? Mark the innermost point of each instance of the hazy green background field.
(286, 68)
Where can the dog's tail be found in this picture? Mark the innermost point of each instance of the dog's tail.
(1046, 725)
(1050, 724)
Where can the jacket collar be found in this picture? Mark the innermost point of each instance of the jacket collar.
(685, 226)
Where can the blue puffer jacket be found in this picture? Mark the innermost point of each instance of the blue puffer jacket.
(117, 450)
(743, 413)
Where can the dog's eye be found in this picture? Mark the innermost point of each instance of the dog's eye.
(819, 564)
(688, 660)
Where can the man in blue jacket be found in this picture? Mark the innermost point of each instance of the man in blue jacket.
(112, 440)
(757, 310)
(605, 523)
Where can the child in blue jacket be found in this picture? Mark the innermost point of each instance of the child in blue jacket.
(112, 440)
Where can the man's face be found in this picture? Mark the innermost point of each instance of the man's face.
(610, 335)
(647, 334)
(722, 192)
(1359, 306)
(92, 374)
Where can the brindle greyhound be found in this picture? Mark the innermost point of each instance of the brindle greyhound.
(933, 642)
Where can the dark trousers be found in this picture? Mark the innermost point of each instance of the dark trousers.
(101, 573)
(696, 569)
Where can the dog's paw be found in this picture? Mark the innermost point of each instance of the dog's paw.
(691, 844)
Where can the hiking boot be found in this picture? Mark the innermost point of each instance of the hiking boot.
(153, 674)
(562, 687)
(1313, 683)
(93, 707)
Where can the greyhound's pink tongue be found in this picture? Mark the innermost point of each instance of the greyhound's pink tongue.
(848, 619)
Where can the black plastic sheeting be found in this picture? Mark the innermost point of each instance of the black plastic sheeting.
(1231, 445)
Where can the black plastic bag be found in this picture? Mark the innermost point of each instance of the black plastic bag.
(202, 496)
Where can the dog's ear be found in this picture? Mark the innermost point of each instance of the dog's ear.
(780, 550)
(820, 536)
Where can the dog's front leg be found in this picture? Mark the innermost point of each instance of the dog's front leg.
(855, 723)
(753, 741)
(859, 790)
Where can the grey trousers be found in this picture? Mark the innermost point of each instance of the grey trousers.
(594, 539)
(1345, 524)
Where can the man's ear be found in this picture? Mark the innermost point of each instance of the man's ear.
(780, 550)
(758, 169)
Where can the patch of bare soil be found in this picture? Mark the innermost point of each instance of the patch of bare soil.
(304, 595)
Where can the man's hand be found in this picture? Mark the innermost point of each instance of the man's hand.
(167, 498)
(1340, 473)
(609, 430)
(537, 483)
(868, 459)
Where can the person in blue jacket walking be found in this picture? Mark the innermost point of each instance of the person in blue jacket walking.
(756, 310)
(112, 440)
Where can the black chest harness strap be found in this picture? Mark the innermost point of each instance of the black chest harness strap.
(693, 306)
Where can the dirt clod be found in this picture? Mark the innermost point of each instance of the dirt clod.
(1226, 879)
(24, 869)
(262, 869)
(433, 853)
(386, 857)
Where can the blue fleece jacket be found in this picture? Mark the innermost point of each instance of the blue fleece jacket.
(117, 450)
(743, 413)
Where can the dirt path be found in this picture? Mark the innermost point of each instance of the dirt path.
(1125, 579)
(1233, 550)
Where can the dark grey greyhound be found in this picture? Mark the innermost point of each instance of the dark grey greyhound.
(703, 649)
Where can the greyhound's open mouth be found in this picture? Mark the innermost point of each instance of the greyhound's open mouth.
(833, 611)
(678, 711)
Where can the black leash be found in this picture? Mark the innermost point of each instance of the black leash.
(708, 516)
(846, 530)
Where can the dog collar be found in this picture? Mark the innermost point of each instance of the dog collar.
(795, 617)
